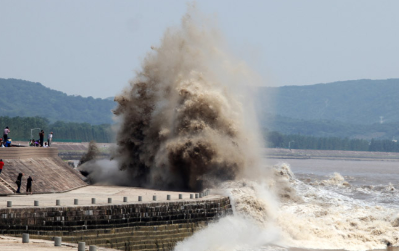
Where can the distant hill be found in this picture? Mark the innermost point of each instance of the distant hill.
(332, 128)
(353, 109)
(356, 101)
(29, 99)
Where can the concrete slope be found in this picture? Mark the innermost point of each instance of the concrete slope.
(50, 174)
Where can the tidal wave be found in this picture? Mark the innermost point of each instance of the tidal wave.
(293, 214)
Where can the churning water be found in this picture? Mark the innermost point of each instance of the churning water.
(311, 204)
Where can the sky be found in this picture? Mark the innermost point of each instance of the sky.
(93, 47)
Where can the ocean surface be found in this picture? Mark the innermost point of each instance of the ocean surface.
(308, 204)
(371, 181)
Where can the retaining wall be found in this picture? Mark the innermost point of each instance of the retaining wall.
(139, 226)
(27, 152)
(49, 172)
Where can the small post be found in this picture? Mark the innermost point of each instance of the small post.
(36, 203)
(168, 197)
(25, 238)
(93, 200)
(81, 246)
(140, 198)
(109, 200)
(180, 196)
(57, 202)
(9, 203)
(75, 201)
(124, 199)
(154, 197)
(92, 248)
(191, 196)
(389, 246)
(57, 241)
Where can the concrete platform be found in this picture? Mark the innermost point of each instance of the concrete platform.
(8, 243)
(101, 193)
(133, 225)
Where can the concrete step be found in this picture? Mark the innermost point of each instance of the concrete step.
(7, 186)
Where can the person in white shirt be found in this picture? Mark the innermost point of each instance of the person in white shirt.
(5, 135)
(50, 138)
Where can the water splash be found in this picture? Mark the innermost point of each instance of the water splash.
(91, 154)
(186, 121)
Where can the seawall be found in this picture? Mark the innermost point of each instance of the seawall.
(138, 226)
(49, 172)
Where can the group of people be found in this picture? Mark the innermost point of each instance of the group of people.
(19, 180)
(28, 183)
(40, 142)
(6, 141)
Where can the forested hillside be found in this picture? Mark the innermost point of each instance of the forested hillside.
(21, 129)
(29, 99)
(296, 141)
(356, 102)
(331, 128)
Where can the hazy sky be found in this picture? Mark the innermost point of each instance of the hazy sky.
(91, 48)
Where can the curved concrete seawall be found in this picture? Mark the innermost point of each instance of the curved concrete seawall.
(50, 174)
(149, 225)
(138, 226)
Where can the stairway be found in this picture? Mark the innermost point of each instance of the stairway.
(6, 185)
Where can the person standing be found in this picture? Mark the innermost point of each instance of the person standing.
(5, 134)
(41, 135)
(1, 165)
(50, 139)
(19, 182)
(29, 185)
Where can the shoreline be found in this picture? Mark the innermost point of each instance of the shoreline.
(74, 151)
(281, 153)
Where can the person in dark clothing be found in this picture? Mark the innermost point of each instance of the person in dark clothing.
(1, 165)
(29, 185)
(41, 134)
(19, 182)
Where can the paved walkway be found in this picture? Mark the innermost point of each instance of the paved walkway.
(101, 193)
(12, 244)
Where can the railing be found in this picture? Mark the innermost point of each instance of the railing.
(54, 140)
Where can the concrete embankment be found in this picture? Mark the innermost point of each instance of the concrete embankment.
(134, 226)
(143, 225)
(49, 172)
